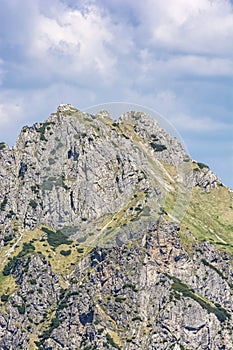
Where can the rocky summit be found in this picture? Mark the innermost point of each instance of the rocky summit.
(112, 237)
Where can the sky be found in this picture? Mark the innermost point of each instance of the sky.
(173, 56)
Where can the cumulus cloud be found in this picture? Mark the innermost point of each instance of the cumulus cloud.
(56, 42)
(77, 38)
(175, 56)
(200, 26)
(92, 40)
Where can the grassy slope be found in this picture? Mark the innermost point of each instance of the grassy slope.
(210, 217)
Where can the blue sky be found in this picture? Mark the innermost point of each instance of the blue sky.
(173, 56)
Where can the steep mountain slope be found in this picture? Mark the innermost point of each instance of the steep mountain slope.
(112, 237)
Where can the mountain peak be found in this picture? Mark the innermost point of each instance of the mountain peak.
(109, 228)
(65, 108)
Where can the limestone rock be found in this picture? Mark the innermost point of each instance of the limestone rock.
(93, 255)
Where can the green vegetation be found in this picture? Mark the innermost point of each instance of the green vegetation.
(111, 341)
(2, 145)
(21, 308)
(202, 165)
(7, 239)
(9, 267)
(131, 286)
(209, 218)
(56, 238)
(3, 204)
(64, 297)
(137, 318)
(10, 214)
(55, 322)
(119, 299)
(186, 291)
(7, 286)
(33, 204)
(27, 248)
(35, 189)
(154, 137)
(157, 147)
(4, 298)
(206, 263)
(80, 250)
(42, 130)
(65, 252)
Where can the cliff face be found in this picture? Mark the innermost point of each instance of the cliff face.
(112, 237)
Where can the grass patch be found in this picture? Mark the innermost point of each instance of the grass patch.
(113, 342)
(182, 288)
(7, 285)
(61, 263)
(206, 263)
(209, 217)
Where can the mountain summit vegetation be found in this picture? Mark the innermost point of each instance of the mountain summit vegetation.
(112, 237)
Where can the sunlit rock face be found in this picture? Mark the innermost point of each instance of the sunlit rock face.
(112, 237)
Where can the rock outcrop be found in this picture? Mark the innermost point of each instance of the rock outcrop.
(112, 238)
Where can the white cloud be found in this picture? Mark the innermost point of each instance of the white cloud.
(190, 65)
(74, 42)
(185, 66)
(10, 112)
(200, 26)
(90, 43)
(196, 124)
